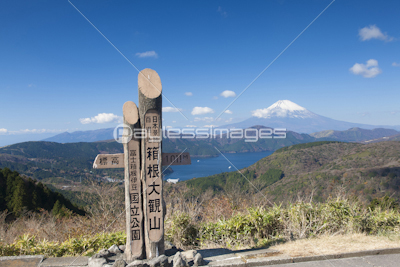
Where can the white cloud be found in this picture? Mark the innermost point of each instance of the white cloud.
(222, 12)
(229, 120)
(209, 126)
(188, 93)
(173, 121)
(207, 119)
(368, 70)
(215, 97)
(228, 111)
(202, 110)
(168, 127)
(260, 113)
(31, 131)
(102, 118)
(147, 54)
(170, 109)
(191, 126)
(228, 93)
(394, 64)
(373, 32)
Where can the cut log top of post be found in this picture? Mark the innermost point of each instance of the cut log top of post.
(149, 83)
(130, 111)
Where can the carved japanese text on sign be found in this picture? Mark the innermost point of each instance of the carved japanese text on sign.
(176, 159)
(106, 161)
(136, 214)
(153, 174)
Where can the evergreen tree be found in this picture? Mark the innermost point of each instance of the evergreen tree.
(58, 209)
(19, 200)
(3, 183)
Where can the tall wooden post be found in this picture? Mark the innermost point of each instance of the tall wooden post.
(143, 161)
(150, 106)
(133, 186)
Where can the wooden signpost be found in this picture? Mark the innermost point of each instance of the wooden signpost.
(143, 160)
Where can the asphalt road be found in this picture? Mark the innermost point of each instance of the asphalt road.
(390, 260)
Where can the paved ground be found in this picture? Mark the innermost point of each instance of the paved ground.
(392, 260)
(243, 258)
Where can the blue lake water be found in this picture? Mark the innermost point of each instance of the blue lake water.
(202, 167)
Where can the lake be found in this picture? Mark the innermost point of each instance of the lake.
(202, 167)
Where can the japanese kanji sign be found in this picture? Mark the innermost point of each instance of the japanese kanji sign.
(109, 161)
(106, 161)
(176, 159)
(154, 207)
(135, 196)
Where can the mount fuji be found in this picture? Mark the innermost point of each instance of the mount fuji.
(289, 115)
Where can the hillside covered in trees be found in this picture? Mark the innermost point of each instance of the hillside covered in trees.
(318, 170)
(19, 194)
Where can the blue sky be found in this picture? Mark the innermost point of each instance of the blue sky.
(59, 74)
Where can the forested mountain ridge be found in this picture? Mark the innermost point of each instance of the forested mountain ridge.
(356, 134)
(54, 161)
(319, 169)
(18, 194)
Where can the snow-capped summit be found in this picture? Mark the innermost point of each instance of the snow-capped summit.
(292, 117)
(283, 109)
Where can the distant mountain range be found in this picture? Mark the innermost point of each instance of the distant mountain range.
(82, 136)
(351, 135)
(289, 115)
(358, 135)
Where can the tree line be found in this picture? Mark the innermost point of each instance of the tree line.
(19, 194)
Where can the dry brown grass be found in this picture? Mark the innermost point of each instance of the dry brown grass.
(107, 216)
(323, 245)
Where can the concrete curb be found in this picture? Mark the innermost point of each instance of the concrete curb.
(264, 261)
(26, 260)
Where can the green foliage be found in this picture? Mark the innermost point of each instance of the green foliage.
(18, 194)
(385, 203)
(85, 246)
(219, 182)
(181, 230)
(297, 220)
(271, 176)
(306, 145)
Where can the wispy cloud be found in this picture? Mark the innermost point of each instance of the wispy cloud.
(364, 114)
(188, 93)
(228, 93)
(368, 70)
(4, 131)
(228, 111)
(191, 126)
(394, 64)
(147, 54)
(202, 110)
(373, 32)
(171, 109)
(223, 13)
(207, 119)
(102, 118)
